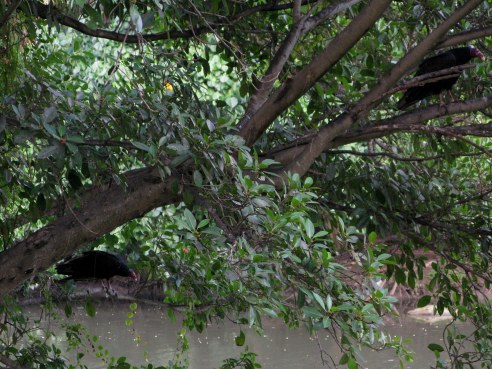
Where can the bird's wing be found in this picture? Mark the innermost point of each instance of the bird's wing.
(438, 62)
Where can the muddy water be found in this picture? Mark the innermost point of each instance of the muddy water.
(152, 338)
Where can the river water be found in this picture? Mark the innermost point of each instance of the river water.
(153, 338)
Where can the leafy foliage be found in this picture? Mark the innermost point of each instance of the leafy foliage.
(99, 89)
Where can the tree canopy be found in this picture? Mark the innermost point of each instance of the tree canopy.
(240, 151)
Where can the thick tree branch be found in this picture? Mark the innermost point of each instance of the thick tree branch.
(100, 211)
(466, 36)
(400, 123)
(328, 133)
(302, 81)
(301, 27)
(418, 117)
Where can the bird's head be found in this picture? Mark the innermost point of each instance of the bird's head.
(133, 275)
(475, 53)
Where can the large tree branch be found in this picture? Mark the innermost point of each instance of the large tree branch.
(328, 133)
(302, 81)
(466, 36)
(301, 27)
(100, 211)
(49, 11)
(376, 129)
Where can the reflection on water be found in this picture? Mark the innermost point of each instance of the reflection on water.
(152, 338)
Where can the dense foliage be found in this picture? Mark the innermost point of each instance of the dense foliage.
(238, 152)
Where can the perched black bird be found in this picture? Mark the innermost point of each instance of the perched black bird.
(448, 59)
(95, 265)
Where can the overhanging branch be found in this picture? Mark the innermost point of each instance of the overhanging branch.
(400, 123)
(100, 211)
(302, 81)
(328, 133)
(49, 11)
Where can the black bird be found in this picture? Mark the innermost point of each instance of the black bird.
(445, 60)
(95, 265)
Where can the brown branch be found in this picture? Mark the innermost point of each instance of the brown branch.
(48, 11)
(101, 210)
(328, 133)
(302, 25)
(466, 36)
(375, 129)
(302, 81)
(5, 17)
(397, 157)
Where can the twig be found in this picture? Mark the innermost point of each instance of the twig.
(8, 13)
(396, 157)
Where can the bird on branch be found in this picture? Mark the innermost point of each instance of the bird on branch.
(451, 58)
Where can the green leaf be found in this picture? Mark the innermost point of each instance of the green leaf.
(372, 237)
(241, 339)
(400, 276)
(76, 139)
(203, 223)
(320, 234)
(141, 146)
(49, 115)
(423, 301)
(308, 182)
(344, 359)
(352, 364)
(90, 309)
(51, 130)
(435, 347)
(46, 152)
(319, 300)
(190, 219)
(312, 312)
(309, 226)
(197, 178)
(384, 257)
(329, 302)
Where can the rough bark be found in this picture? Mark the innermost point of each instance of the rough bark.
(302, 81)
(101, 210)
(401, 123)
(303, 162)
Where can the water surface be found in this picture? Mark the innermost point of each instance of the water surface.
(153, 338)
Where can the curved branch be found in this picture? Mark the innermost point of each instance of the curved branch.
(100, 211)
(417, 117)
(48, 11)
(398, 157)
(302, 81)
(376, 129)
(328, 133)
(466, 36)
(301, 27)
(5, 17)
